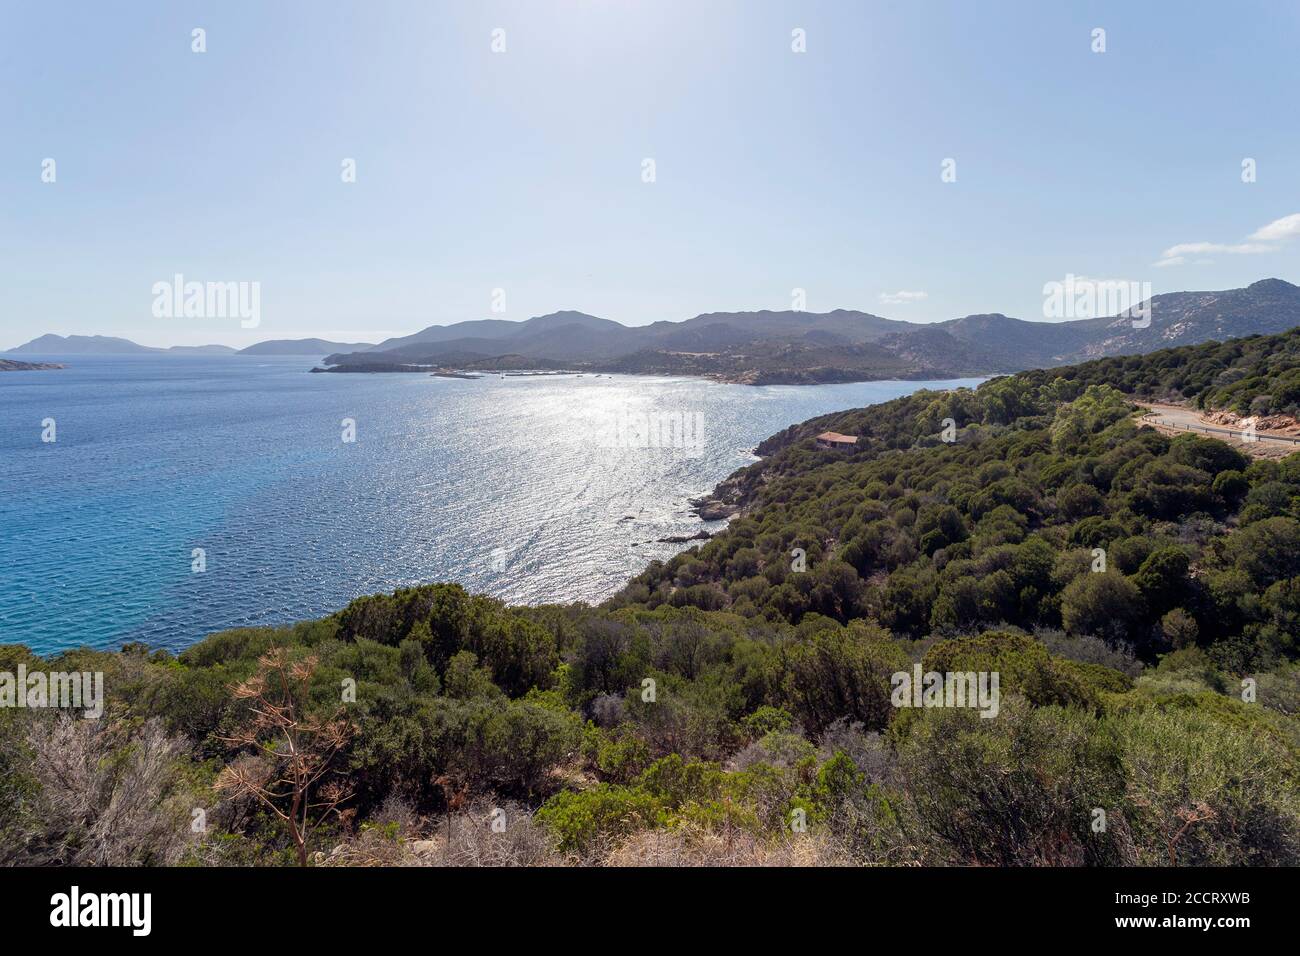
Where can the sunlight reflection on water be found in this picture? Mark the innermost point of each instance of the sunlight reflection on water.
(158, 456)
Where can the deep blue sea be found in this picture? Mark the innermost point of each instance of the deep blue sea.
(497, 483)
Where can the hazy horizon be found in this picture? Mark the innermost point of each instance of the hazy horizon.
(521, 319)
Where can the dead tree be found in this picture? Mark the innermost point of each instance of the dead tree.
(292, 749)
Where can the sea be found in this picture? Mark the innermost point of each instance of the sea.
(163, 498)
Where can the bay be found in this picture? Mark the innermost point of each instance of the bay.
(505, 485)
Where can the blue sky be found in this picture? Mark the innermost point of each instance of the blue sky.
(522, 170)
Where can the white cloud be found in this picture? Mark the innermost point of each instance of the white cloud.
(1260, 241)
(1184, 249)
(1288, 227)
(902, 297)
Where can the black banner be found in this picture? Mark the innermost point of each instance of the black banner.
(334, 905)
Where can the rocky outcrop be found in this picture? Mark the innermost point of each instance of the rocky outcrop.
(1272, 424)
(731, 497)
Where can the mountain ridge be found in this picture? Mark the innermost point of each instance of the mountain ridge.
(780, 346)
(796, 347)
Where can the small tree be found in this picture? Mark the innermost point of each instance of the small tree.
(294, 750)
(1179, 628)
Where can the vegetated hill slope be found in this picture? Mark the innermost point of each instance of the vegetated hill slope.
(1188, 318)
(1257, 375)
(945, 489)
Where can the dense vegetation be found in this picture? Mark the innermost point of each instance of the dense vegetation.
(1138, 595)
(1200, 545)
(1257, 375)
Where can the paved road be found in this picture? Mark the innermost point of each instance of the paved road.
(1178, 418)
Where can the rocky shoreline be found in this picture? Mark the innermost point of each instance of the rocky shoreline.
(731, 497)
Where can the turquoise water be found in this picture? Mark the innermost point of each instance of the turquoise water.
(500, 484)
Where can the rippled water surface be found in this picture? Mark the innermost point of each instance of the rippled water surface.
(499, 484)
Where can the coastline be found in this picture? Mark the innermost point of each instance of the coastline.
(729, 498)
(825, 375)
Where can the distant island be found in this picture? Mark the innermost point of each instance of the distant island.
(773, 348)
(111, 345)
(298, 347)
(10, 365)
